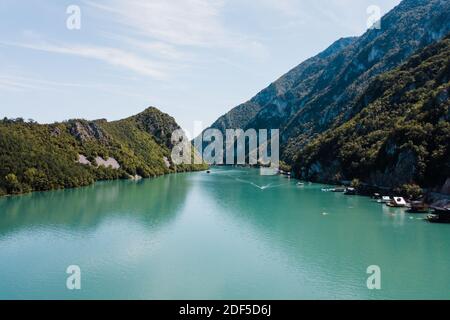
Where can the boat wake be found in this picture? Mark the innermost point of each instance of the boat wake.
(253, 184)
(260, 187)
(265, 187)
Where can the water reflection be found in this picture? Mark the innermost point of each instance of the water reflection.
(231, 234)
(152, 202)
(337, 236)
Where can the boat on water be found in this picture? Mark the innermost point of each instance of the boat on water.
(441, 212)
(385, 199)
(435, 218)
(376, 196)
(397, 202)
(419, 207)
(336, 190)
(350, 191)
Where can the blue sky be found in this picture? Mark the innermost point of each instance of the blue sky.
(194, 59)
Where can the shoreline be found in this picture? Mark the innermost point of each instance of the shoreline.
(131, 179)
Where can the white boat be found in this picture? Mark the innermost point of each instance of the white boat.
(398, 202)
(385, 199)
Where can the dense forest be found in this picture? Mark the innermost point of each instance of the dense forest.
(38, 157)
(399, 134)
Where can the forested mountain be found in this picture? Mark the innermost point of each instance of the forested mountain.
(38, 157)
(327, 90)
(322, 91)
(402, 133)
(409, 27)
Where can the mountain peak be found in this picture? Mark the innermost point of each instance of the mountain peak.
(151, 109)
(337, 46)
(159, 124)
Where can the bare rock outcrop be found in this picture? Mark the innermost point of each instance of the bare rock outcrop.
(85, 131)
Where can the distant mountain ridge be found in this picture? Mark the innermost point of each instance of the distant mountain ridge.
(409, 27)
(323, 91)
(38, 157)
(402, 136)
(242, 115)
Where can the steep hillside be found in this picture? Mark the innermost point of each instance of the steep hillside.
(324, 91)
(36, 157)
(400, 136)
(409, 27)
(277, 92)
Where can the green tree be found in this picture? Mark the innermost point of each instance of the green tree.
(411, 191)
(356, 183)
(13, 185)
(36, 179)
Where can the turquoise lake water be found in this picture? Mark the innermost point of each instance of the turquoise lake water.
(231, 234)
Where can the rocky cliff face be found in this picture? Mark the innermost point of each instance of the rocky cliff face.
(401, 137)
(85, 131)
(409, 27)
(446, 188)
(279, 92)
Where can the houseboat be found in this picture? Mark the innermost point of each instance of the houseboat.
(397, 202)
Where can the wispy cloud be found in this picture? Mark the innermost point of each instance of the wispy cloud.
(152, 38)
(22, 83)
(112, 56)
(163, 51)
(179, 22)
(11, 84)
(26, 83)
(290, 8)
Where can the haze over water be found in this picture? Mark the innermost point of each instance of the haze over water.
(231, 234)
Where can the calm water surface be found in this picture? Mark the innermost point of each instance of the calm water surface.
(231, 234)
